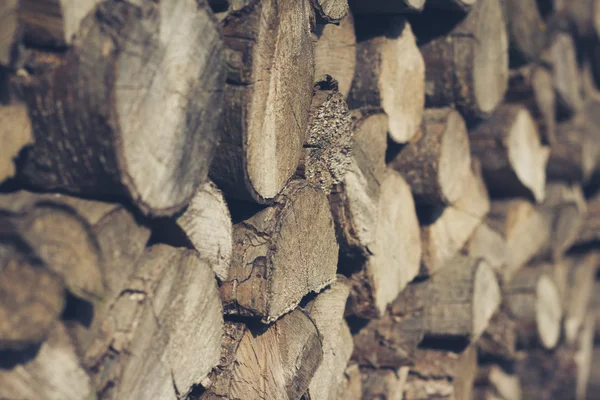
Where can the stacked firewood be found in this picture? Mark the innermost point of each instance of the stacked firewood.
(299, 199)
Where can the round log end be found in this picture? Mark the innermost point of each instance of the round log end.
(455, 159)
(486, 297)
(548, 312)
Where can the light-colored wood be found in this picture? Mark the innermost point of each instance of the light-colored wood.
(328, 145)
(437, 164)
(497, 384)
(331, 11)
(442, 375)
(162, 336)
(54, 372)
(10, 32)
(389, 7)
(267, 97)
(584, 357)
(273, 363)
(351, 387)
(384, 383)
(490, 245)
(335, 53)
(590, 228)
(281, 254)
(443, 237)
(145, 123)
(390, 74)
(468, 68)
(567, 80)
(512, 157)
(15, 134)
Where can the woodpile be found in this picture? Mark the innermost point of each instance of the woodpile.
(299, 199)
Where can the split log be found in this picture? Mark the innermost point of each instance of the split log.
(590, 228)
(15, 134)
(437, 164)
(511, 154)
(390, 74)
(379, 7)
(10, 32)
(266, 109)
(327, 312)
(276, 363)
(384, 383)
(351, 387)
(443, 237)
(335, 53)
(31, 296)
(148, 91)
(580, 288)
(162, 336)
(61, 238)
(331, 11)
(532, 87)
(533, 300)
(456, 303)
(328, 146)
(53, 371)
(442, 375)
(281, 254)
(468, 68)
(526, 30)
(548, 375)
(565, 74)
(498, 341)
(490, 245)
(524, 229)
(493, 383)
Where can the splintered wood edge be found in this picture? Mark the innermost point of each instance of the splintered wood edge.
(486, 297)
(548, 311)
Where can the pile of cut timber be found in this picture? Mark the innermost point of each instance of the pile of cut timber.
(299, 199)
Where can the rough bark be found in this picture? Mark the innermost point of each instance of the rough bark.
(590, 228)
(526, 30)
(524, 229)
(493, 383)
(437, 164)
(270, 71)
(328, 145)
(533, 300)
(10, 32)
(153, 86)
(276, 363)
(331, 11)
(456, 303)
(281, 254)
(390, 74)
(561, 54)
(442, 375)
(490, 245)
(61, 238)
(327, 312)
(384, 383)
(53, 371)
(468, 68)
(385, 7)
(335, 53)
(443, 237)
(15, 134)
(511, 154)
(532, 87)
(548, 375)
(499, 340)
(162, 336)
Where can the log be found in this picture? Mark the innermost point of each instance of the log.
(512, 156)
(583, 357)
(331, 11)
(273, 363)
(15, 134)
(548, 375)
(326, 155)
(492, 382)
(561, 54)
(10, 32)
(385, 7)
(266, 108)
(395, 251)
(335, 53)
(351, 387)
(526, 30)
(443, 235)
(581, 277)
(61, 238)
(524, 229)
(390, 74)
(468, 68)
(437, 164)
(32, 297)
(52, 371)
(384, 383)
(590, 228)
(327, 312)
(162, 337)
(532, 87)
(498, 341)
(533, 300)
(490, 245)
(158, 95)
(456, 303)
(584, 16)
(442, 375)
(281, 254)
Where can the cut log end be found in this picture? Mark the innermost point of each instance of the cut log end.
(486, 297)
(331, 11)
